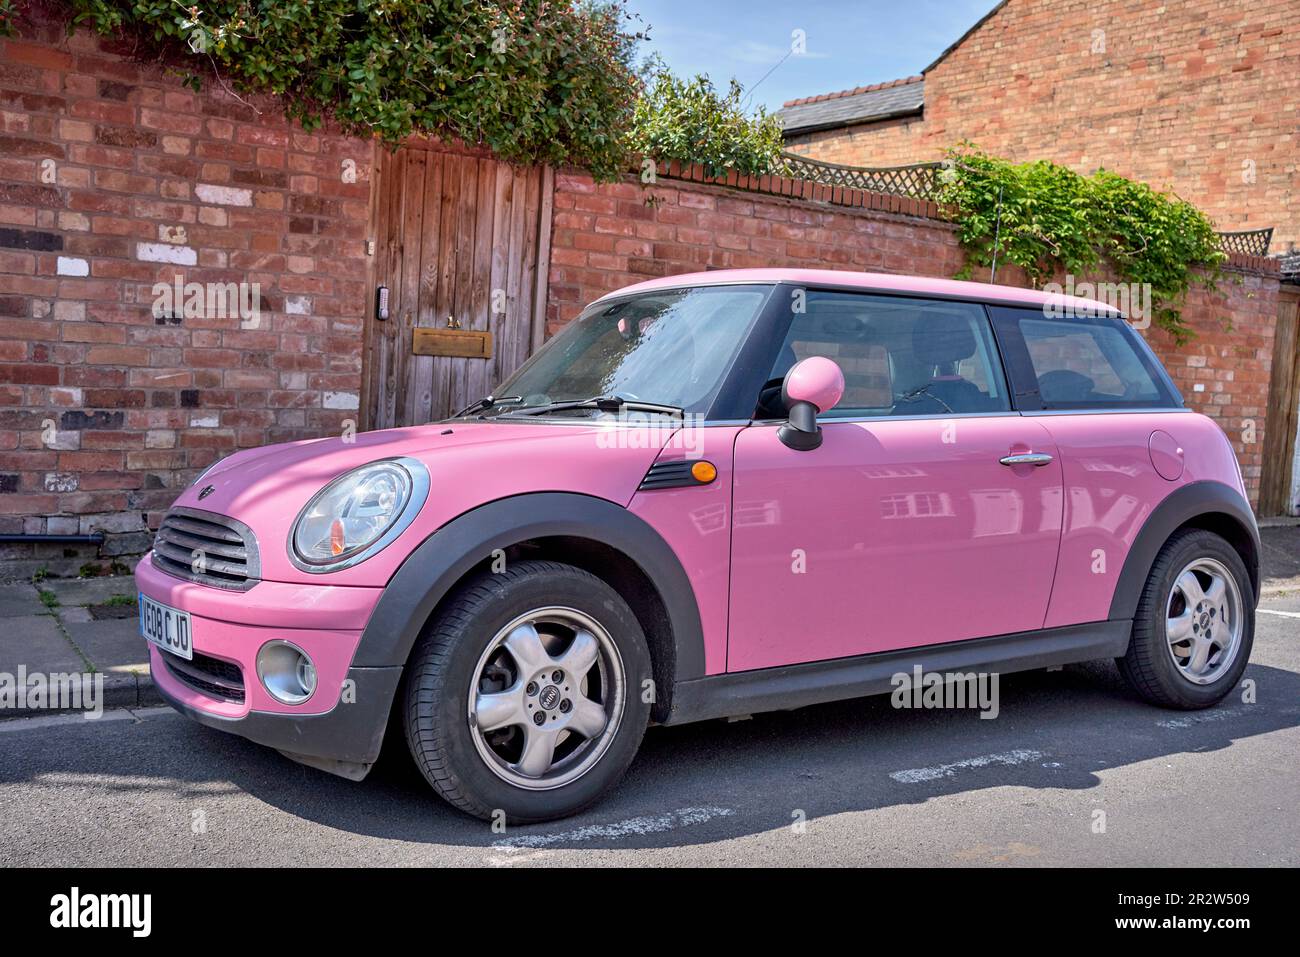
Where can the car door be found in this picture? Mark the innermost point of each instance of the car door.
(911, 524)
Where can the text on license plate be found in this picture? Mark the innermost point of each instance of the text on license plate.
(168, 628)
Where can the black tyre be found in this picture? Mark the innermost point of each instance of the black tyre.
(1195, 624)
(525, 696)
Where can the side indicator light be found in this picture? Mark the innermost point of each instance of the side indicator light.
(704, 472)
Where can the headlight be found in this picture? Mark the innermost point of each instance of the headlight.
(358, 514)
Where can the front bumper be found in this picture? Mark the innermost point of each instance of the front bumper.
(345, 718)
(347, 734)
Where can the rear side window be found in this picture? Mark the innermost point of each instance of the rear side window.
(1083, 362)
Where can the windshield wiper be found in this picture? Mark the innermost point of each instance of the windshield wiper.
(601, 403)
(487, 402)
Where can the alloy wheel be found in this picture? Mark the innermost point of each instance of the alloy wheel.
(546, 698)
(1204, 621)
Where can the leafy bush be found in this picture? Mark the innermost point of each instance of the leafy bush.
(688, 120)
(7, 17)
(535, 80)
(547, 81)
(1049, 219)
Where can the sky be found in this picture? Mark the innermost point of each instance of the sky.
(848, 42)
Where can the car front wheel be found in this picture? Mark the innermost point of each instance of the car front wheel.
(1194, 626)
(524, 696)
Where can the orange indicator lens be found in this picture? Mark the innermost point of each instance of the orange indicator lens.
(704, 472)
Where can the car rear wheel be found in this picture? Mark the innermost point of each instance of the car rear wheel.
(1194, 626)
(524, 695)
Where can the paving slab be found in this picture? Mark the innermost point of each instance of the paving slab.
(19, 600)
(1280, 559)
(89, 591)
(111, 644)
(36, 643)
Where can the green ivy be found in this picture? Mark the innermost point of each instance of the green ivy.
(688, 120)
(8, 14)
(1049, 220)
(546, 81)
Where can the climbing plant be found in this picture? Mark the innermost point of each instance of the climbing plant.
(535, 80)
(1048, 220)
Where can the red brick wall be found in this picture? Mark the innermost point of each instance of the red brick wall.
(898, 142)
(113, 177)
(107, 410)
(606, 237)
(1199, 95)
(1225, 371)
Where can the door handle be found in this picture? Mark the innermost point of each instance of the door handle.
(1036, 459)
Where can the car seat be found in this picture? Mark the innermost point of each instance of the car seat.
(939, 344)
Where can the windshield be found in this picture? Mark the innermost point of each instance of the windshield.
(671, 347)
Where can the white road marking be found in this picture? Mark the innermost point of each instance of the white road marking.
(1283, 614)
(1220, 714)
(499, 860)
(635, 826)
(917, 775)
(63, 717)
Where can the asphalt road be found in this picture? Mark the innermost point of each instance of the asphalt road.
(854, 783)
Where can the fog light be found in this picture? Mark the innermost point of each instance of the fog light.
(287, 673)
(306, 675)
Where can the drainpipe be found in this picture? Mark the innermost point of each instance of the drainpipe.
(94, 538)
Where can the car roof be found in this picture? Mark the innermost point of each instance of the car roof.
(874, 282)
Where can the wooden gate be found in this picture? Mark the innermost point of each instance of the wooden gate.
(1283, 408)
(462, 244)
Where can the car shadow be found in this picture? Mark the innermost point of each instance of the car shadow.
(715, 781)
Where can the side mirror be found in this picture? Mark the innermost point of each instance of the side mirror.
(812, 385)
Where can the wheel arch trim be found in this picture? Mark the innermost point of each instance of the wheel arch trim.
(1197, 500)
(443, 559)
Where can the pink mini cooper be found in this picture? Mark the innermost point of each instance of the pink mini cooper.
(711, 495)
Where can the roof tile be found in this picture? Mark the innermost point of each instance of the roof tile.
(879, 101)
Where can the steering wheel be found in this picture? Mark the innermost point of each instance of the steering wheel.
(921, 394)
(770, 405)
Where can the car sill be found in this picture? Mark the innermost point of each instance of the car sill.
(818, 682)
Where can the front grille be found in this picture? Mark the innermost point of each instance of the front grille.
(210, 676)
(207, 548)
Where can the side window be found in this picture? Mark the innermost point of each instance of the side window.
(899, 356)
(1088, 362)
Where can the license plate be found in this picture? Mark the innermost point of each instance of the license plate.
(166, 627)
